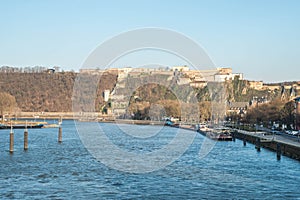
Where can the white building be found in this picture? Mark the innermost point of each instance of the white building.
(226, 77)
(106, 95)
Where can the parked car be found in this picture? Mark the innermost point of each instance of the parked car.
(289, 132)
(276, 132)
(295, 132)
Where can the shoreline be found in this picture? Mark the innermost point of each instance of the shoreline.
(276, 144)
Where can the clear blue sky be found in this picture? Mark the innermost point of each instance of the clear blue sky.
(260, 38)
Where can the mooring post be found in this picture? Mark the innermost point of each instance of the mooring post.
(60, 131)
(11, 140)
(257, 146)
(233, 136)
(278, 151)
(244, 141)
(25, 137)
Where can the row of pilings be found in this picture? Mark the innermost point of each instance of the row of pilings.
(11, 138)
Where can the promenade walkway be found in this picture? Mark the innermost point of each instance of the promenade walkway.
(286, 139)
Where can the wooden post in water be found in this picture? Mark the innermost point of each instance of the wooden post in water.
(278, 151)
(60, 131)
(257, 145)
(11, 140)
(244, 141)
(26, 138)
(233, 136)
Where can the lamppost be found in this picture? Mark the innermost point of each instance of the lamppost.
(297, 108)
(295, 115)
(296, 112)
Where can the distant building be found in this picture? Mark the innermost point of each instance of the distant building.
(258, 100)
(219, 74)
(198, 84)
(125, 70)
(228, 77)
(225, 70)
(271, 87)
(257, 85)
(194, 75)
(286, 89)
(106, 95)
(225, 74)
(237, 107)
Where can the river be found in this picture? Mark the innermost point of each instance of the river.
(68, 171)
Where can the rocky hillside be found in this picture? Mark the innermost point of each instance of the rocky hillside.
(41, 91)
(48, 92)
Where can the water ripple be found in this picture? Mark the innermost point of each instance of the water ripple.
(49, 170)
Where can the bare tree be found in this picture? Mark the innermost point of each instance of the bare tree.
(7, 103)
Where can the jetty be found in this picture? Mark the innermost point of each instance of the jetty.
(277, 143)
(21, 125)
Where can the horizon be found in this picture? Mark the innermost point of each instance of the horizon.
(168, 68)
(258, 39)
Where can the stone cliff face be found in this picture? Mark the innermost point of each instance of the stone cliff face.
(54, 92)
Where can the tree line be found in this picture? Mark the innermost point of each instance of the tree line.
(43, 92)
(36, 69)
(275, 112)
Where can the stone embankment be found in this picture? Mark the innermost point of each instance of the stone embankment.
(278, 143)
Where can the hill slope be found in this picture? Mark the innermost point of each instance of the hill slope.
(48, 92)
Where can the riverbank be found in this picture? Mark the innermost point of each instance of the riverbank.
(276, 143)
(84, 116)
(88, 117)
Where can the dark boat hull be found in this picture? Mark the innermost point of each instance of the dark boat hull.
(216, 136)
(21, 126)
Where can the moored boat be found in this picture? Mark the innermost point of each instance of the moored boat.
(219, 134)
(20, 126)
(51, 126)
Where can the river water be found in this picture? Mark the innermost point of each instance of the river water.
(68, 171)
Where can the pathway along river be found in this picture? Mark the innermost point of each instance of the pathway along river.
(68, 171)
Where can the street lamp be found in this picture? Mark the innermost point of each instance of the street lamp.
(297, 101)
